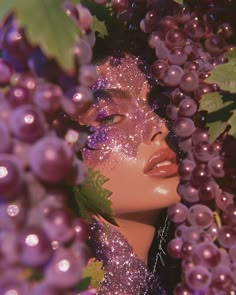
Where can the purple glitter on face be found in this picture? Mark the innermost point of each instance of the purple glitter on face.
(98, 138)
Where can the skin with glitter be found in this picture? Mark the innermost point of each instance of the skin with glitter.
(126, 135)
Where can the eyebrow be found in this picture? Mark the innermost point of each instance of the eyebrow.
(112, 94)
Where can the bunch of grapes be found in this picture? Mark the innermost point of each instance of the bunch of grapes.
(189, 41)
(42, 243)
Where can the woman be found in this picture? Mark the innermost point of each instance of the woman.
(128, 146)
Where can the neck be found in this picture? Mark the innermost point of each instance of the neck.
(138, 228)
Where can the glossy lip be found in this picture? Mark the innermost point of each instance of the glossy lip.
(165, 170)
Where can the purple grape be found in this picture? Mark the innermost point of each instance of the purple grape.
(50, 159)
(200, 215)
(119, 5)
(216, 167)
(83, 52)
(6, 72)
(187, 107)
(195, 29)
(81, 229)
(230, 214)
(191, 66)
(166, 24)
(177, 212)
(182, 14)
(192, 234)
(11, 176)
(57, 224)
(185, 169)
(198, 278)
(27, 123)
(185, 144)
(215, 45)
(47, 97)
(27, 80)
(65, 269)
(175, 38)
(6, 141)
(177, 56)
(200, 135)
(225, 30)
(183, 127)
(177, 96)
(203, 89)
(200, 175)
(154, 40)
(189, 81)
(46, 289)
(188, 192)
(88, 75)
(227, 236)
(158, 68)
(203, 151)
(174, 248)
(172, 112)
(206, 254)
(14, 286)
(208, 190)
(222, 278)
(36, 248)
(162, 52)
(18, 96)
(223, 200)
(85, 18)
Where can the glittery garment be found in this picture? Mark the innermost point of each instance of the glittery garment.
(125, 274)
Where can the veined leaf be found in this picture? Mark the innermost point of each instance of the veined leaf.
(92, 198)
(212, 102)
(215, 129)
(46, 25)
(95, 272)
(224, 75)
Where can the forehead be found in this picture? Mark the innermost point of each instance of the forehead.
(127, 73)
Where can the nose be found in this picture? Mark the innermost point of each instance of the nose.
(158, 132)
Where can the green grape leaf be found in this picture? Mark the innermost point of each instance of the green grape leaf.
(95, 272)
(48, 26)
(83, 284)
(224, 75)
(7, 6)
(215, 129)
(212, 102)
(99, 26)
(92, 198)
(232, 123)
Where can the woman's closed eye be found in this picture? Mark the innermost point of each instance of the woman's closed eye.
(110, 119)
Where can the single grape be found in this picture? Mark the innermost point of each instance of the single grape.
(200, 175)
(225, 30)
(9, 248)
(181, 289)
(191, 66)
(27, 80)
(47, 97)
(36, 248)
(216, 167)
(195, 28)
(119, 5)
(227, 236)
(198, 278)
(203, 151)
(50, 159)
(185, 169)
(85, 18)
(208, 190)
(172, 112)
(206, 254)
(215, 45)
(166, 24)
(27, 123)
(162, 52)
(200, 135)
(177, 212)
(12, 285)
(183, 127)
(200, 215)
(188, 192)
(185, 144)
(189, 81)
(182, 14)
(11, 176)
(177, 96)
(17, 96)
(65, 268)
(172, 75)
(222, 278)
(174, 248)
(177, 56)
(203, 89)
(187, 248)
(57, 224)
(175, 38)
(192, 234)
(158, 68)
(187, 107)
(154, 40)
(230, 214)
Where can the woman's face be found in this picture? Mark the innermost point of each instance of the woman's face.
(128, 146)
